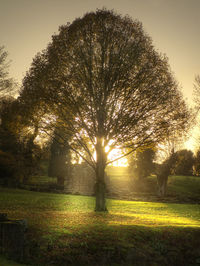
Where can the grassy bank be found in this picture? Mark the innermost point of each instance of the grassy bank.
(64, 230)
(181, 189)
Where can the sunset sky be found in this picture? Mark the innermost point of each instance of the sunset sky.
(26, 27)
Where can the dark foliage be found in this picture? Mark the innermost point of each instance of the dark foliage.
(142, 165)
(183, 162)
(7, 165)
(197, 163)
(17, 140)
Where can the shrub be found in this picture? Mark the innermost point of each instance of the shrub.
(183, 162)
(7, 165)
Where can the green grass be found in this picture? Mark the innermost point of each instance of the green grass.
(180, 188)
(185, 186)
(64, 230)
(6, 262)
(42, 180)
(150, 213)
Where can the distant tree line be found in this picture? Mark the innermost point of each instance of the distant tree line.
(182, 162)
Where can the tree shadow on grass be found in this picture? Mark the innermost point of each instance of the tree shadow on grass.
(95, 241)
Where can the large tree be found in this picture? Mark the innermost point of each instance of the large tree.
(102, 81)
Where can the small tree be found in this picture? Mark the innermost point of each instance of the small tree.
(197, 163)
(163, 171)
(60, 160)
(7, 167)
(172, 142)
(142, 163)
(7, 85)
(103, 82)
(183, 162)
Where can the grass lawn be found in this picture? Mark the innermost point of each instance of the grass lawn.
(64, 230)
(185, 187)
(7, 262)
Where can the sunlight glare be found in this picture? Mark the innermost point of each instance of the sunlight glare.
(115, 153)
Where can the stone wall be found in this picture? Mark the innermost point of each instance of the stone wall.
(12, 238)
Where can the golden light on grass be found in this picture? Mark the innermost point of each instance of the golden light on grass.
(152, 214)
(153, 220)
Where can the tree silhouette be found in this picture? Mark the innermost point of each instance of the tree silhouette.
(101, 80)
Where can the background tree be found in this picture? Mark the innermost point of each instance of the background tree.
(36, 112)
(162, 172)
(10, 138)
(172, 142)
(17, 139)
(103, 81)
(7, 85)
(142, 164)
(60, 160)
(197, 163)
(7, 168)
(183, 162)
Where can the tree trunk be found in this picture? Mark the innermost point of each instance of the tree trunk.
(162, 185)
(60, 182)
(100, 187)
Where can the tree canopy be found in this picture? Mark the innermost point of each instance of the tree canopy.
(103, 82)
